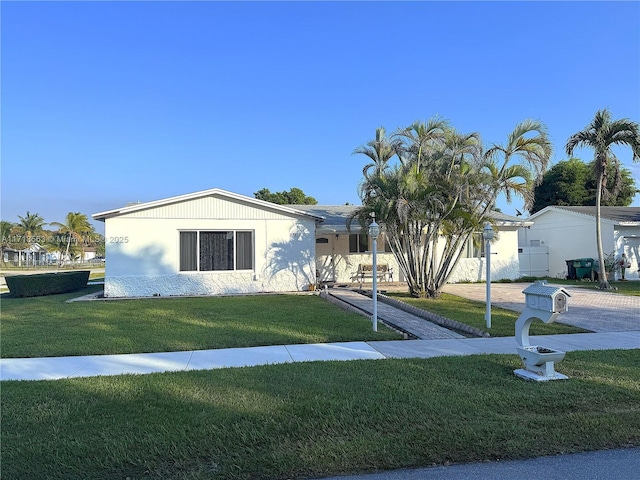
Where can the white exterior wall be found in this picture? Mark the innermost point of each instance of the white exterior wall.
(504, 260)
(335, 263)
(567, 235)
(142, 250)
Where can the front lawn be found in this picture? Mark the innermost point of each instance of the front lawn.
(48, 326)
(472, 313)
(315, 419)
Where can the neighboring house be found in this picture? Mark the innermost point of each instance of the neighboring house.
(217, 242)
(567, 233)
(89, 253)
(208, 243)
(34, 255)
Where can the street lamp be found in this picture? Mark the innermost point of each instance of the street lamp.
(487, 234)
(374, 231)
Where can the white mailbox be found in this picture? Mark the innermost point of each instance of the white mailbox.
(541, 296)
(543, 302)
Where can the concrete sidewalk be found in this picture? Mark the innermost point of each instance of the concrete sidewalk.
(52, 368)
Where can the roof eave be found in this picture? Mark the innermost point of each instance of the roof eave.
(102, 216)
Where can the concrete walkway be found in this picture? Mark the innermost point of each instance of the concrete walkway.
(52, 368)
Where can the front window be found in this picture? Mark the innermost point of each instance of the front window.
(358, 243)
(207, 251)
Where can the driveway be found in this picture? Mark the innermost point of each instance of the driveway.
(590, 309)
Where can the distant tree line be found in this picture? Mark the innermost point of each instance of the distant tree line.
(294, 196)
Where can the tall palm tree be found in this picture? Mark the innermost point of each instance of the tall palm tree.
(600, 135)
(77, 224)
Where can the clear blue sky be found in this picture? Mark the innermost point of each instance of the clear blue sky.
(104, 103)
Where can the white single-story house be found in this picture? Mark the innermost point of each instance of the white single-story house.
(561, 233)
(207, 243)
(33, 255)
(218, 242)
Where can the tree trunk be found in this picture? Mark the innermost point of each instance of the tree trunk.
(604, 283)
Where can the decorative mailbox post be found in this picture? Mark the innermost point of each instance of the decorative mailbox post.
(545, 303)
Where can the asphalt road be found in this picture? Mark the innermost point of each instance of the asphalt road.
(619, 464)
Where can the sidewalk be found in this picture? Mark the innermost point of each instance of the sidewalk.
(52, 368)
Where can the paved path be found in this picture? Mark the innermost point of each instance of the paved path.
(406, 322)
(594, 310)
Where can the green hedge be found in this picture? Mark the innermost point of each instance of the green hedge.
(46, 283)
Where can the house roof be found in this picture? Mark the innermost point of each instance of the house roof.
(629, 216)
(336, 217)
(287, 209)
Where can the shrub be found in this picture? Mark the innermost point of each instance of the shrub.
(46, 283)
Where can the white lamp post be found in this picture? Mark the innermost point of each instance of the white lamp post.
(487, 234)
(374, 231)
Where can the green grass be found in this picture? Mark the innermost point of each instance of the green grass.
(315, 419)
(48, 326)
(472, 313)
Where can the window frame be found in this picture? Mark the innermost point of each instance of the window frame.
(359, 243)
(235, 253)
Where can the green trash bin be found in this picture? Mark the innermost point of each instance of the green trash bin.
(585, 268)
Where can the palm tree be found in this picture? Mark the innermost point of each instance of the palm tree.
(529, 142)
(77, 224)
(442, 192)
(31, 224)
(380, 151)
(600, 135)
(29, 227)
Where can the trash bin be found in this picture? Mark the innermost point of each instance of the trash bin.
(571, 270)
(584, 268)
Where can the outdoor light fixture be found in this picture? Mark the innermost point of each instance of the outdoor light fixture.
(374, 232)
(487, 234)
